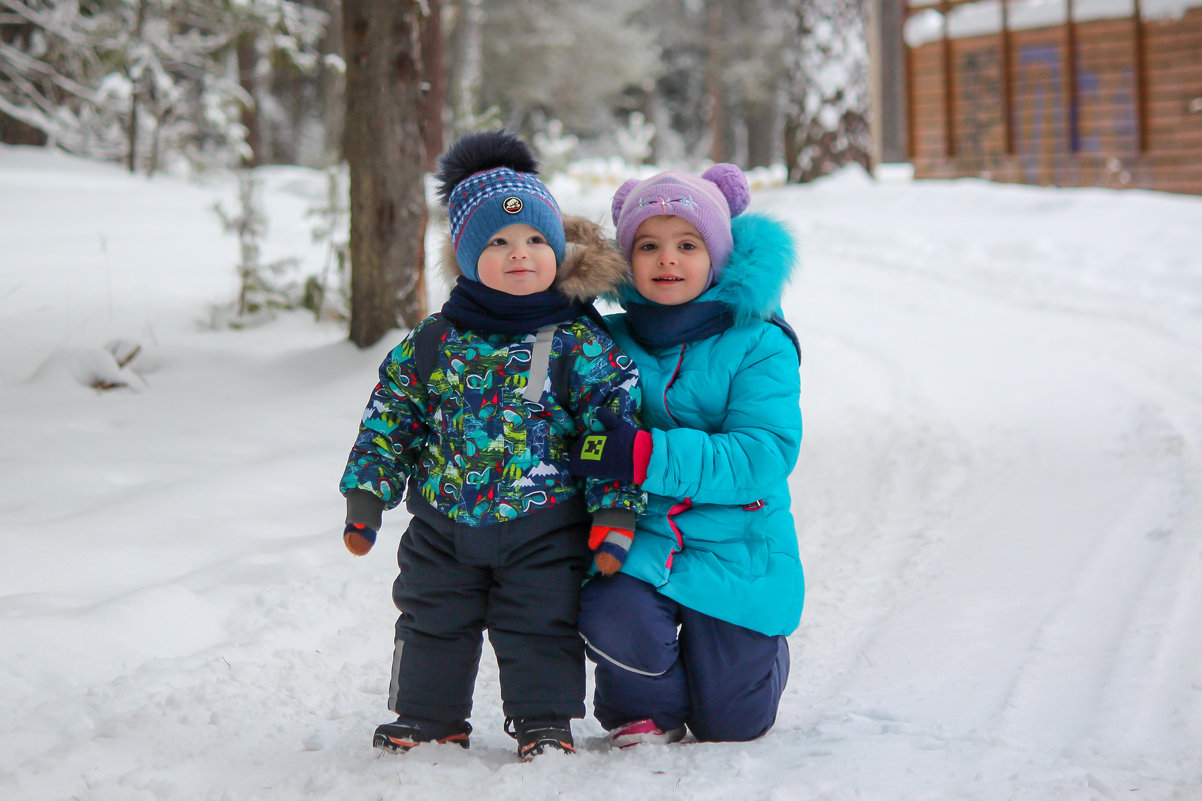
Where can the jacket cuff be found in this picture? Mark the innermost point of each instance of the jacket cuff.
(364, 508)
(642, 455)
(615, 518)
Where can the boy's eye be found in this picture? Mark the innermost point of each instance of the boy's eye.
(536, 240)
(500, 240)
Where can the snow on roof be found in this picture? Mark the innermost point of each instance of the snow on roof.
(985, 16)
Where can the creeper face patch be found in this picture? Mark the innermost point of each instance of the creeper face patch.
(593, 448)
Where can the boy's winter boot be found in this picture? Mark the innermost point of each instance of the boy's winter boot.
(402, 734)
(536, 736)
(637, 732)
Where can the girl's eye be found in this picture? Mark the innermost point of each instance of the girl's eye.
(687, 246)
(648, 246)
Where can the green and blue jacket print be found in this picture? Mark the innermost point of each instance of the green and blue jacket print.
(463, 437)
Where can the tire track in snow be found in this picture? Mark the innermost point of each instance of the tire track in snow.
(1128, 680)
(1109, 573)
(870, 434)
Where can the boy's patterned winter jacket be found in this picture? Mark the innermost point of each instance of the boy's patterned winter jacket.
(464, 437)
(725, 420)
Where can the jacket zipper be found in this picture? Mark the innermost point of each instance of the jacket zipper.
(671, 381)
(687, 502)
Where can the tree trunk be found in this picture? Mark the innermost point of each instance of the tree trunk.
(332, 86)
(435, 84)
(469, 36)
(715, 100)
(248, 76)
(131, 159)
(386, 160)
(761, 122)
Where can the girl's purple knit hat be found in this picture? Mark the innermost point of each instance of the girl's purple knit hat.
(708, 202)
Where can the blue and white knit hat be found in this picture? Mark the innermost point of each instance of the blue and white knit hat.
(488, 180)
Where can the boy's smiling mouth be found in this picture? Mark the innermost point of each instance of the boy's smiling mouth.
(669, 278)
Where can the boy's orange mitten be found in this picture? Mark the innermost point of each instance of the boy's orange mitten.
(358, 538)
(611, 545)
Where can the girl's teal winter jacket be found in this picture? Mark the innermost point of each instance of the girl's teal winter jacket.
(725, 420)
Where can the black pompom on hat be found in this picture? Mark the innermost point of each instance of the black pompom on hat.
(487, 181)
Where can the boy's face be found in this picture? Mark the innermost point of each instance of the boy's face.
(517, 260)
(669, 260)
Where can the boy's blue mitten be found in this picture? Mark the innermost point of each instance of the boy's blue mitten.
(620, 452)
(359, 538)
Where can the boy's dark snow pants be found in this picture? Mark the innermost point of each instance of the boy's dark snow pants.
(724, 681)
(519, 580)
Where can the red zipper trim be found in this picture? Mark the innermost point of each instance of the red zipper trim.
(671, 381)
(675, 510)
(687, 502)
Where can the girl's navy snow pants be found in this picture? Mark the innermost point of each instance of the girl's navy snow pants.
(660, 660)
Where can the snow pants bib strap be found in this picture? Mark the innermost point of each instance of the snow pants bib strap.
(540, 360)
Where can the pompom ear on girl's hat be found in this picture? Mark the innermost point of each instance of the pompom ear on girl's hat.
(708, 202)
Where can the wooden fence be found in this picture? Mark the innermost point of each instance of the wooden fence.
(1103, 102)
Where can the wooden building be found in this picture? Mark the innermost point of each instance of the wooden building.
(1052, 92)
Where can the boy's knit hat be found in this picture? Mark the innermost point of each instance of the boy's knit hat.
(708, 202)
(488, 180)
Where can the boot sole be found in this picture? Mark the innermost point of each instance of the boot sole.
(399, 745)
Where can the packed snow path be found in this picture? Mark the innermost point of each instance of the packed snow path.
(998, 501)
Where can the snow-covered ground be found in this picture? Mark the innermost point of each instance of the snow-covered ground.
(999, 501)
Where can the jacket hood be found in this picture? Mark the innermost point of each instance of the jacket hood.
(762, 262)
(591, 265)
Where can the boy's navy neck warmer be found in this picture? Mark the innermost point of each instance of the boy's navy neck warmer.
(654, 326)
(490, 311)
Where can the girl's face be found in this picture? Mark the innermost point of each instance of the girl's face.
(517, 260)
(669, 260)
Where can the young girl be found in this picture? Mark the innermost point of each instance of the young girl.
(691, 631)
(472, 421)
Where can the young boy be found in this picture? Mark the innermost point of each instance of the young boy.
(472, 421)
(691, 632)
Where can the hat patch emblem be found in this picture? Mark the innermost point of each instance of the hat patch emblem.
(512, 204)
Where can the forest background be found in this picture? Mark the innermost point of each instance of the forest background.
(157, 83)
(377, 88)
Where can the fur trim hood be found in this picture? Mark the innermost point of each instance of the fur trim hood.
(591, 266)
(761, 264)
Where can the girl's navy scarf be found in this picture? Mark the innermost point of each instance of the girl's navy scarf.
(664, 326)
(654, 326)
(490, 311)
